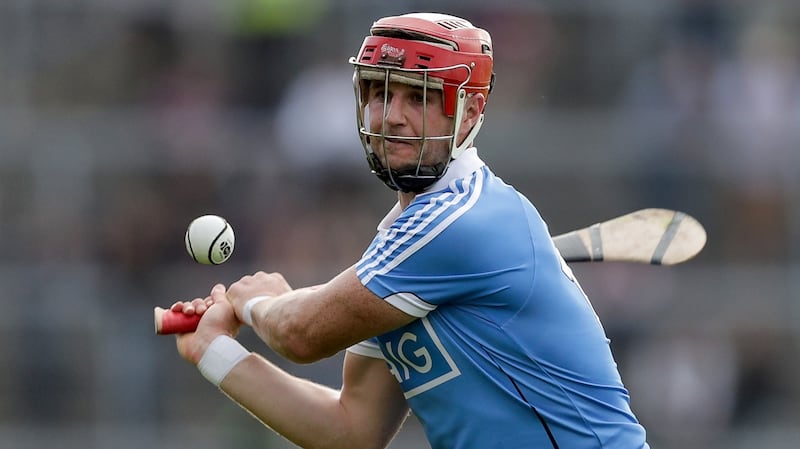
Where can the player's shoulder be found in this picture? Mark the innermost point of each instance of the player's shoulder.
(462, 192)
(468, 205)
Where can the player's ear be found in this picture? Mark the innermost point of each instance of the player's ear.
(473, 108)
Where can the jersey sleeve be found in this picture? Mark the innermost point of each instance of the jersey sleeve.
(438, 252)
(367, 348)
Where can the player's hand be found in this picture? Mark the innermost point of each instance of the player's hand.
(258, 284)
(197, 306)
(218, 319)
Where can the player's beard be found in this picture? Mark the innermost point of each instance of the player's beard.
(400, 154)
(410, 160)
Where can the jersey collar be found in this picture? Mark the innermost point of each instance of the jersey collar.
(466, 164)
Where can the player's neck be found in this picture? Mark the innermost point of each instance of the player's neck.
(405, 198)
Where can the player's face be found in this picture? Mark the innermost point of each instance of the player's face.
(400, 111)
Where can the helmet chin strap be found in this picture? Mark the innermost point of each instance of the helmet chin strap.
(414, 180)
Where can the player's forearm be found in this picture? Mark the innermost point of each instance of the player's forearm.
(286, 324)
(309, 324)
(308, 414)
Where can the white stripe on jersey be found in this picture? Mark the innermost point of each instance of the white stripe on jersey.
(410, 304)
(367, 348)
(474, 194)
(390, 235)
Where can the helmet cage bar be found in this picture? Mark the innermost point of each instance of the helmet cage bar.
(383, 134)
(425, 82)
(418, 178)
(431, 51)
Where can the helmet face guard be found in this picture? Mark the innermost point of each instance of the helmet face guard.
(424, 55)
(411, 179)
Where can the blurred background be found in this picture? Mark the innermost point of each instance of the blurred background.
(122, 120)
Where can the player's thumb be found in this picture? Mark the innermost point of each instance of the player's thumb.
(218, 293)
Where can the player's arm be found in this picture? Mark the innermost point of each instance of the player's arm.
(309, 324)
(366, 413)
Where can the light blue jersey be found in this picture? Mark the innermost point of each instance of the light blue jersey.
(507, 351)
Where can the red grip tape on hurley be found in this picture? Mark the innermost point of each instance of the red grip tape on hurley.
(169, 322)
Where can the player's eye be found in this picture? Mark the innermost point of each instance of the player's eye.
(377, 93)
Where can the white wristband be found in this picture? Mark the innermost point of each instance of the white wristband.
(220, 357)
(247, 310)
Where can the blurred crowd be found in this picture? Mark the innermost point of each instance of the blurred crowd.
(122, 121)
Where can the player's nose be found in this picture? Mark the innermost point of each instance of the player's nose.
(395, 113)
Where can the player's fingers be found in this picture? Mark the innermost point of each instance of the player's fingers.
(246, 278)
(199, 305)
(189, 307)
(278, 276)
(272, 277)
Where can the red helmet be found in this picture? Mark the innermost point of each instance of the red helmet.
(448, 47)
(431, 50)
